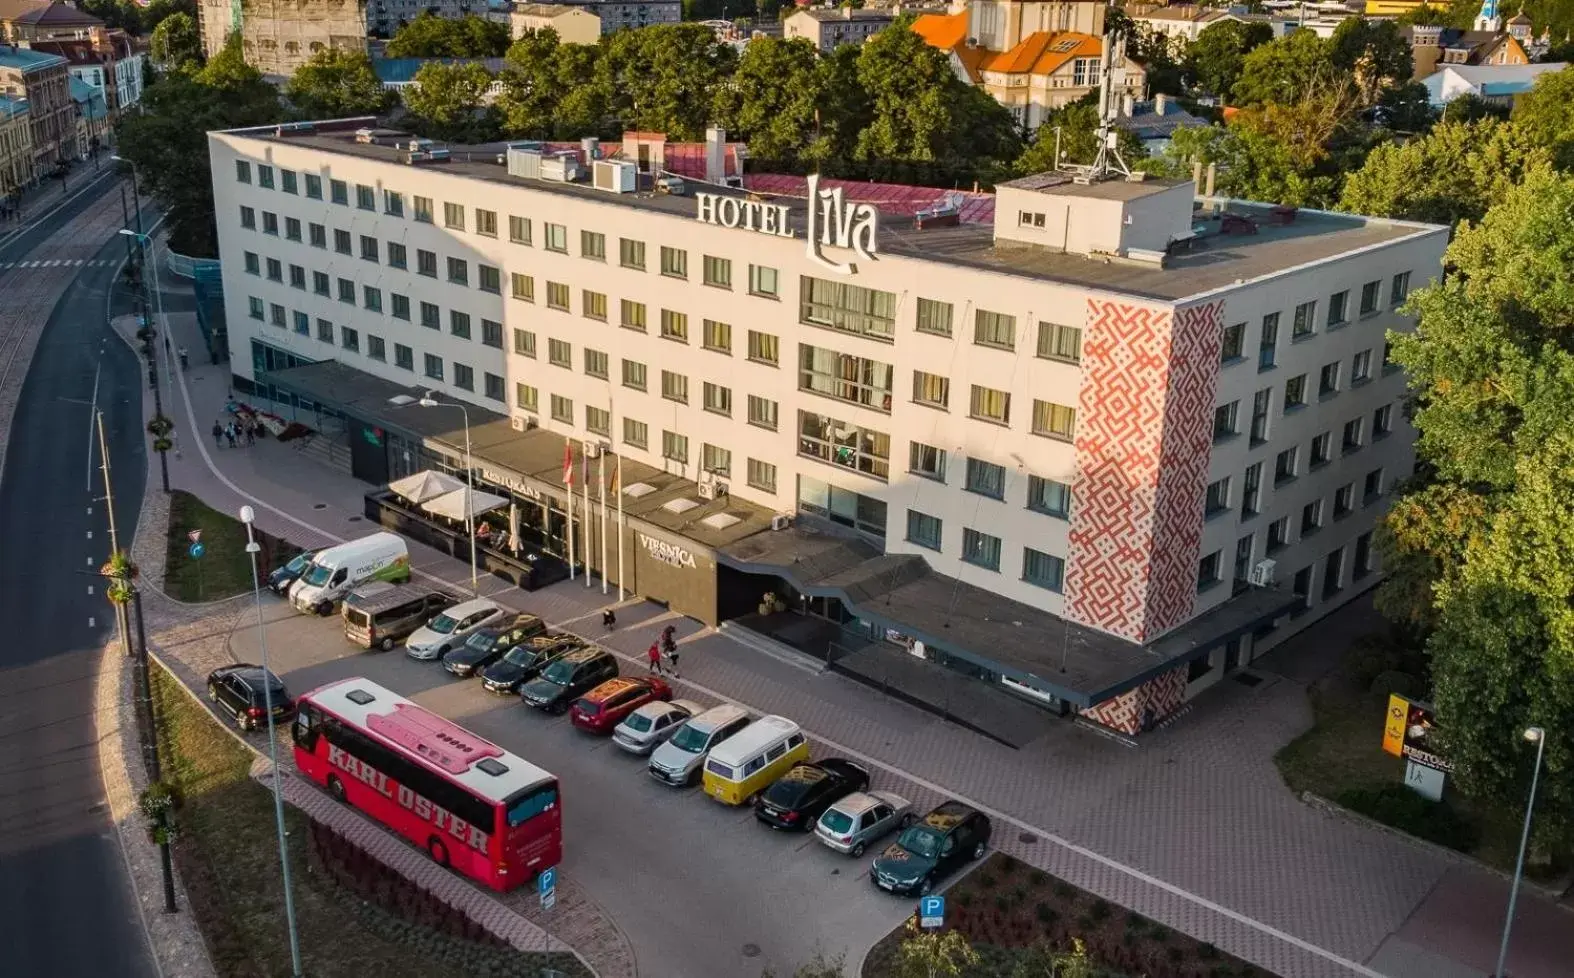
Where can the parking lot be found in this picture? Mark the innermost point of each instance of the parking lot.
(700, 889)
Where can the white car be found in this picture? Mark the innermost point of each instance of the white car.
(449, 630)
(649, 726)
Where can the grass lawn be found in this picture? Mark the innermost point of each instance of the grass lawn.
(227, 853)
(223, 571)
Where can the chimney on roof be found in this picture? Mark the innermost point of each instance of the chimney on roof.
(1212, 172)
(715, 155)
(1128, 105)
(847, 11)
(1161, 104)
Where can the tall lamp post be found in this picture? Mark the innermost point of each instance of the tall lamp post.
(1537, 736)
(428, 401)
(249, 516)
(157, 335)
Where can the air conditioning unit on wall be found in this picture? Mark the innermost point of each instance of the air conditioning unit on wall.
(1262, 573)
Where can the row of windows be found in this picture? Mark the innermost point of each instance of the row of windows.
(1211, 569)
(1304, 321)
(1227, 417)
(983, 550)
(488, 278)
(988, 479)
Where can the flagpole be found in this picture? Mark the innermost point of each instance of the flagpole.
(601, 479)
(622, 529)
(584, 462)
(568, 483)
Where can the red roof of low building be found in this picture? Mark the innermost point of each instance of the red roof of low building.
(890, 198)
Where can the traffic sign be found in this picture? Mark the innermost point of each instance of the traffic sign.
(193, 535)
(931, 911)
(196, 550)
(546, 885)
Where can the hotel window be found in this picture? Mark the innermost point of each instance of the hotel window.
(598, 421)
(560, 353)
(988, 404)
(1262, 403)
(376, 348)
(426, 263)
(526, 397)
(557, 296)
(433, 366)
(1311, 518)
(1361, 368)
(986, 478)
(1305, 320)
(1351, 441)
(762, 475)
(275, 314)
(675, 386)
(636, 433)
(924, 530)
(593, 245)
(404, 357)
(849, 308)
(562, 409)
(1054, 420)
(675, 447)
(1363, 556)
(632, 315)
(369, 249)
(525, 343)
(292, 228)
(431, 316)
(1210, 570)
(994, 329)
(981, 549)
(275, 270)
(1399, 290)
(1267, 347)
(926, 460)
(318, 235)
(557, 238)
(931, 390)
(464, 377)
(1371, 297)
(716, 461)
(764, 280)
(1049, 497)
(1251, 490)
(519, 229)
(423, 209)
(486, 223)
(321, 283)
(365, 197)
(1243, 556)
(717, 272)
(1372, 487)
(347, 291)
(763, 348)
(287, 182)
(270, 224)
(297, 277)
(494, 387)
(716, 336)
(459, 323)
(1278, 535)
(454, 216)
(1284, 466)
(1344, 500)
(458, 271)
(265, 176)
(1294, 393)
(631, 253)
(397, 256)
(762, 412)
(1225, 419)
(522, 286)
(1233, 342)
(1382, 421)
(718, 399)
(842, 506)
(934, 317)
(253, 263)
(393, 203)
(1030, 219)
(674, 262)
(595, 363)
(399, 305)
(1057, 342)
(593, 305)
(341, 241)
(634, 375)
(489, 279)
(1322, 450)
(1333, 574)
(856, 380)
(339, 192)
(1328, 380)
(242, 171)
(1043, 570)
(1389, 364)
(1217, 499)
(351, 340)
(674, 325)
(372, 298)
(303, 324)
(314, 186)
(849, 446)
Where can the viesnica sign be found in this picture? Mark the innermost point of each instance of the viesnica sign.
(833, 222)
(667, 553)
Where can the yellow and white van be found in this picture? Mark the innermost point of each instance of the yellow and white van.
(745, 764)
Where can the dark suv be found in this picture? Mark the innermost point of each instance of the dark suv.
(238, 690)
(525, 661)
(486, 645)
(946, 838)
(569, 678)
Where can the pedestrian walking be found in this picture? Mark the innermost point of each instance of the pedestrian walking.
(672, 661)
(184, 358)
(229, 434)
(654, 655)
(251, 433)
(218, 435)
(609, 619)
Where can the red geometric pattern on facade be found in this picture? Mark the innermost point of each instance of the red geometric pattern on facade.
(1119, 442)
(1195, 338)
(1164, 694)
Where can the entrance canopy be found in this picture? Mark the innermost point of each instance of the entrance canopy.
(452, 504)
(425, 486)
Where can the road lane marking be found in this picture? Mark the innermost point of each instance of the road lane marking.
(90, 534)
(90, 589)
(90, 561)
(92, 622)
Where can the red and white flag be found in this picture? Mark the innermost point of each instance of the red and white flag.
(568, 463)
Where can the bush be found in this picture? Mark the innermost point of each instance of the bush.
(964, 899)
(1008, 865)
(1003, 903)
(1045, 913)
(1037, 877)
(986, 880)
(1398, 807)
(1065, 890)
(1101, 910)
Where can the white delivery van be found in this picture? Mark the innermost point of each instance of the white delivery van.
(337, 571)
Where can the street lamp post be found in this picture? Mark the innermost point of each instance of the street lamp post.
(1537, 736)
(157, 334)
(428, 401)
(249, 516)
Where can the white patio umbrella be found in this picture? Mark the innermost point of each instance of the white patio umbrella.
(513, 526)
(424, 486)
(452, 504)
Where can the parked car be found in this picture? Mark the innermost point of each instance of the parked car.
(796, 799)
(280, 580)
(645, 728)
(570, 677)
(678, 761)
(487, 644)
(449, 630)
(946, 838)
(379, 616)
(850, 825)
(610, 703)
(244, 691)
(525, 661)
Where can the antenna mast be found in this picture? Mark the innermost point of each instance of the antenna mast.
(1108, 162)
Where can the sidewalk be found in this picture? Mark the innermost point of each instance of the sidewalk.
(1194, 829)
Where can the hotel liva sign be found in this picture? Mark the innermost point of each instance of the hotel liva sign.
(833, 222)
(422, 807)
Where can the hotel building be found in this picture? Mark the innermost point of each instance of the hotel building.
(1095, 442)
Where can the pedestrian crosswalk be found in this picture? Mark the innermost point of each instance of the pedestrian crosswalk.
(61, 263)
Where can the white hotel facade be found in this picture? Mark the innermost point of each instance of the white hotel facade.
(1110, 406)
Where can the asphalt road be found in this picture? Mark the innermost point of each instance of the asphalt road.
(66, 907)
(87, 189)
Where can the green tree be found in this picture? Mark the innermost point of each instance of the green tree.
(176, 41)
(115, 13)
(1546, 114)
(445, 102)
(934, 954)
(1375, 52)
(1286, 69)
(1491, 366)
(1214, 60)
(334, 84)
(1453, 174)
(842, 111)
(1077, 138)
(664, 78)
(1446, 13)
(583, 108)
(528, 104)
(1406, 108)
(773, 99)
(1041, 960)
(429, 36)
(1470, 107)
(819, 966)
(156, 12)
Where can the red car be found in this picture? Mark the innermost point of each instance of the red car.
(604, 707)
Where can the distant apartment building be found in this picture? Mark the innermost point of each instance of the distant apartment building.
(829, 29)
(44, 80)
(397, 74)
(43, 20)
(105, 60)
(16, 146)
(618, 14)
(573, 25)
(385, 17)
(278, 36)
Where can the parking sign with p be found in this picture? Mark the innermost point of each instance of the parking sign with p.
(931, 911)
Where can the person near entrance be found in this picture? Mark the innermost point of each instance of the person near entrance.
(654, 657)
(609, 619)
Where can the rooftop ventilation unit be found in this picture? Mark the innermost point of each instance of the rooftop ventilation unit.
(682, 505)
(711, 489)
(378, 136)
(615, 176)
(524, 161)
(295, 129)
(561, 168)
(524, 145)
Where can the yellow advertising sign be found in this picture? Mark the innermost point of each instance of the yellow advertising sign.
(1394, 725)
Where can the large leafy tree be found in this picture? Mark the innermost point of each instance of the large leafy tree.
(429, 36)
(773, 100)
(176, 41)
(664, 77)
(446, 101)
(1492, 367)
(1214, 60)
(1546, 114)
(1374, 52)
(1077, 138)
(1286, 69)
(335, 84)
(530, 92)
(1453, 174)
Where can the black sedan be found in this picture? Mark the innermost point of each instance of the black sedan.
(802, 795)
(525, 661)
(280, 580)
(947, 837)
(245, 691)
(486, 645)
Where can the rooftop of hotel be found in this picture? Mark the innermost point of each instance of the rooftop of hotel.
(1267, 242)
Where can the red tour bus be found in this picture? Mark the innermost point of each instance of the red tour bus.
(489, 814)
